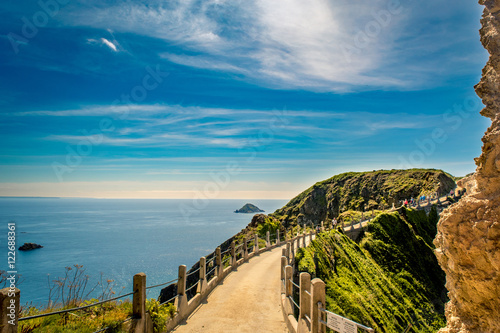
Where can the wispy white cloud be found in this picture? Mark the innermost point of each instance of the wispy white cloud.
(109, 44)
(103, 41)
(104, 110)
(330, 45)
(184, 126)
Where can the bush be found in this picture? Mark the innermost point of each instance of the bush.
(159, 314)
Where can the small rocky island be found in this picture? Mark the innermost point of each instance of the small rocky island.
(249, 208)
(29, 247)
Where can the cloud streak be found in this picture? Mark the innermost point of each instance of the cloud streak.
(326, 45)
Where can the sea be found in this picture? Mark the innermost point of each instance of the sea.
(113, 239)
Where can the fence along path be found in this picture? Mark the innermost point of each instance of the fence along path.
(247, 301)
(243, 302)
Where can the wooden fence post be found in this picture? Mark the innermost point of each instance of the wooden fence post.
(202, 285)
(9, 311)
(288, 249)
(218, 262)
(305, 303)
(288, 288)
(139, 298)
(139, 323)
(278, 240)
(256, 248)
(181, 300)
(245, 248)
(284, 262)
(268, 240)
(317, 296)
(233, 254)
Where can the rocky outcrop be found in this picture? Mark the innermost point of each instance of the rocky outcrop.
(362, 190)
(257, 220)
(29, 246)
(468, 240)
(249, 208)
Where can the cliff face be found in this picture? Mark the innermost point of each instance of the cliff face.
(388, 278)
(468, 240)
(358, 190)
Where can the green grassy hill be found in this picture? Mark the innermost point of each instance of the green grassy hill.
(386, 280)
(362, 190)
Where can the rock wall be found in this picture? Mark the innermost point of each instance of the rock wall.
(468, 240)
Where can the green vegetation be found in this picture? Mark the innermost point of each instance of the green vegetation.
(71, 291)
(387, 280)
(353, 215)
(358, 191)
(159, 314)
(271, 224)
(82, 321)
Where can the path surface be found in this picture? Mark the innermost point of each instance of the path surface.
(248, 300)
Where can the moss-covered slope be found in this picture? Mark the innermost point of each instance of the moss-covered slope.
(390, 278)
(358, 190)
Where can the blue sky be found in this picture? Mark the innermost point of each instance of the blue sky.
(232, 99)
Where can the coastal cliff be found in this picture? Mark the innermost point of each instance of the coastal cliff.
(468, 239)
(362, 190)
(388, 279)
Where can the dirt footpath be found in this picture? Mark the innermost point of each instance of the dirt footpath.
(248, 300)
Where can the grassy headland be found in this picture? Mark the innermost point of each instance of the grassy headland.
(362, 190)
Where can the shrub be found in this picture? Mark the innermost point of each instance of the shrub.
(159, 314)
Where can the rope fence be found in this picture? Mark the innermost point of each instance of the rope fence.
(209, 261)
(170, 300)
(194, 285)
(296, 305)
(195, 271)
(75, 309)
(122, 322)
(213, 269)
(218, 260)
(162, 284)
(296, 285)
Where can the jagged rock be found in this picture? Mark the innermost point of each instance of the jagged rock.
(468, 240)
(29, 247)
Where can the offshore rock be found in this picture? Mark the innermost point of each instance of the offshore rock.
(249, 208)
(29, 247)
(468, 240)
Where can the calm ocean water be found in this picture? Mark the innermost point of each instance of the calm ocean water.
(116, 237)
